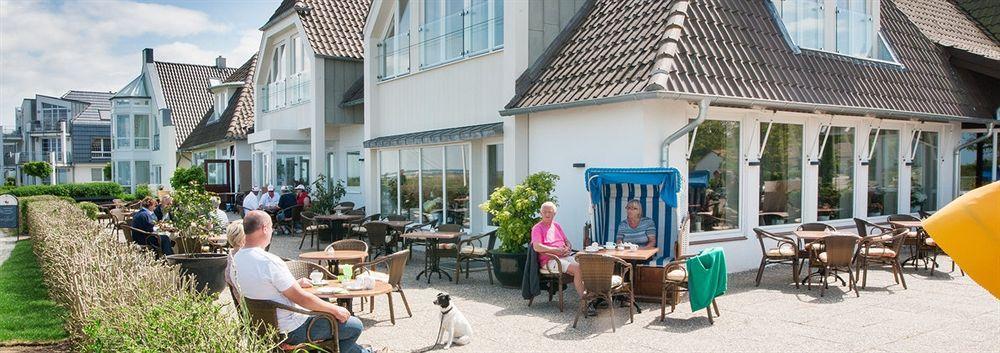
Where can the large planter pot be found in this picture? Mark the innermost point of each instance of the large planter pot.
(187, 245)
(208, 270)
(508, 268)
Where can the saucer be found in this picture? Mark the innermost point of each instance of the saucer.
(317, 284)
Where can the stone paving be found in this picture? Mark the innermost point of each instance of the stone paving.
(946, 311)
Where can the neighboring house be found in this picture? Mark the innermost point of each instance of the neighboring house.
(436, 75)
(310, 56)
(72, 132)
(814, 111)
(218, 142)
(155, 113)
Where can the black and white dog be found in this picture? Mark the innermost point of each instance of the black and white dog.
(454, 327)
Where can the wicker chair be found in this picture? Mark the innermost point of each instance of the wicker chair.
(117, 219)
(816, 227)
(913, 237)
(555, 282)
(472, 249)
(357, 228)
(292, 213)
(302, 269)
(310, 229)
(866, 228)
(348, 244)
(396, 217)
(151, 242)
(675, 276)
(378, 238)
(786, 253)
(263, 316)
(882, 248)
(395, 266)
(605, 276)
(346, 204)
(839, 252)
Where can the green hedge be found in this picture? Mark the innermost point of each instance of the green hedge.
(79, 190)
(120, 298)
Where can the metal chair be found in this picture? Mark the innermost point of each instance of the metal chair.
(605, 276)
(675, 276)
(310, 229)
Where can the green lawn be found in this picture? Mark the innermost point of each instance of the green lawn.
(26, 312)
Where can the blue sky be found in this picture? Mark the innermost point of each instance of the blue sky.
(50, 47)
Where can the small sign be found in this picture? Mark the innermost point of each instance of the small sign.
(9, 215)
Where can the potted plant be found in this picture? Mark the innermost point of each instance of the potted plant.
(192, 216)
(514, 212)
(325, 196)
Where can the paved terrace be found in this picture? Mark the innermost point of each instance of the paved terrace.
(944, 312)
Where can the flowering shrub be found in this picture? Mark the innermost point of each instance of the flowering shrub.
(515, 210)
(119, 298)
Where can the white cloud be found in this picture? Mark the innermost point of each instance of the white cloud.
(51, 48)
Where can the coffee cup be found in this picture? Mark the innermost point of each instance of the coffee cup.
(316, 276)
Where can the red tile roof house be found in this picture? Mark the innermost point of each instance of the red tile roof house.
(797, 111)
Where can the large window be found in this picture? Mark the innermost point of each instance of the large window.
(292, 169)
(141, 129)
(923, 172)
(836, 174)
(389, 181)
(198, 158)
(354, 169)
(123, 131)
(50, 146)
(853, 25)
(883, 173)
(97, 174)
(452, 29)
(431, 183)
(51, 116)
(142, 173)
(714, 176)
(133, 131)
(780, 174)
(123, 173)
(217, 173)
(100, 148)
(977, 162)
(494, 172)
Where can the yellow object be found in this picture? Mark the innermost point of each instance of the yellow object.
(968, 230)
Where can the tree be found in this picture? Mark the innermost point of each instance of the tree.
(183, 177)
(39, 169)
(107, 171)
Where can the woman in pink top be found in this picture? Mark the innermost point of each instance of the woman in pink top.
(549, 241)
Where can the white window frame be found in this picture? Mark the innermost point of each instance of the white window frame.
(941, 184)
(354, 189)
(420, 175)
(102, 152)
(829, 29)
(754, 172)
(486, 179)
(866, 129)
(467, 30)
(742, 189)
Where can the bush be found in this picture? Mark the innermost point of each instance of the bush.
(90, 209)
(141, 192)
(38, 169)
(184, 176)
(120, 298)
(23, 203)
(93, 190)
(515, 210)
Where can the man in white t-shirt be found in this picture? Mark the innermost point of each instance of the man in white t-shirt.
(250, 202)
(268, 200)
(263, 276)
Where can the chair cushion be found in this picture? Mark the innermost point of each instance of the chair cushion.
(446, 246)
(471, 250)
(878, 252)
(816, 247)
(315, 227)
(822, 256)
(912, 234)
(678, 275)
(544, 270)
(359, 229)
(616, 280)
(930, 242)
(783, 250)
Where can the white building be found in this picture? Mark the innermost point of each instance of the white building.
(807, 116)
(154, 113)
(310, 56)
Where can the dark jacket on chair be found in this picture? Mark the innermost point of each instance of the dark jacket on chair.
(530, 286)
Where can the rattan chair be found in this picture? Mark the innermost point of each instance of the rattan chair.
(291, 214)
(395, 266)
(786, 252)
(380, 239)
(396, 217)
(263, 316)
(838, 254)
(866, 228)
(310, 229)
(882, 248)
(349, 244)
(472, 249)
(605, 277)
(302, 269)
(357, 228)
(151, 243)
(816, 227)
(117, 219)
(913, 237)
(675, 276)
(555, 281)
(346, 204)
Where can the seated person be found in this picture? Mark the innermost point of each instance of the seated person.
(264, 276)
(302, 197)
(162, 210)
(219, 214)
(635, 228)
(269, 200)
(549, 241)
(285, 202)
(251, 200)
(143, 220)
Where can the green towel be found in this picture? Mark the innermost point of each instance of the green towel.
(706, 277)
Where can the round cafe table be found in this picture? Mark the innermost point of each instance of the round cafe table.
(346, 299)
(333, 258)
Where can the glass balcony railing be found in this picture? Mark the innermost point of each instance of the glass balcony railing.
(854, 33)
(291, 90)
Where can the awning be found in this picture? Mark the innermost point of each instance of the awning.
(455, 134)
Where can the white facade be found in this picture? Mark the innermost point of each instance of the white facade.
(145, 151)
(299, 130)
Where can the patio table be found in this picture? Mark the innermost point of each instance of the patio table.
(432, 265)
(346, 299)
(336, 222)
(333, 258)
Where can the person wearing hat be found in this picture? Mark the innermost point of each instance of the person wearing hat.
(251, 201)
(302, 197)
(269, 200)
(285, 202)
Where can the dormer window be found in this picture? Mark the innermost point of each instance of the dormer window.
(846, 27)
(221, 99)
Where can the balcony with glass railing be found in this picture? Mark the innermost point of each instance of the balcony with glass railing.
(286, 92)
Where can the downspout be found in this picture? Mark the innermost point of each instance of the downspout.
(958, 150)
(683, 131)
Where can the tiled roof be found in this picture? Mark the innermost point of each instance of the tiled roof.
(185, 90)
(355, 94)
(736, 49)
(959, 32)
(986, 13)
(98, 101)
(334, 27)
(236, 122)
